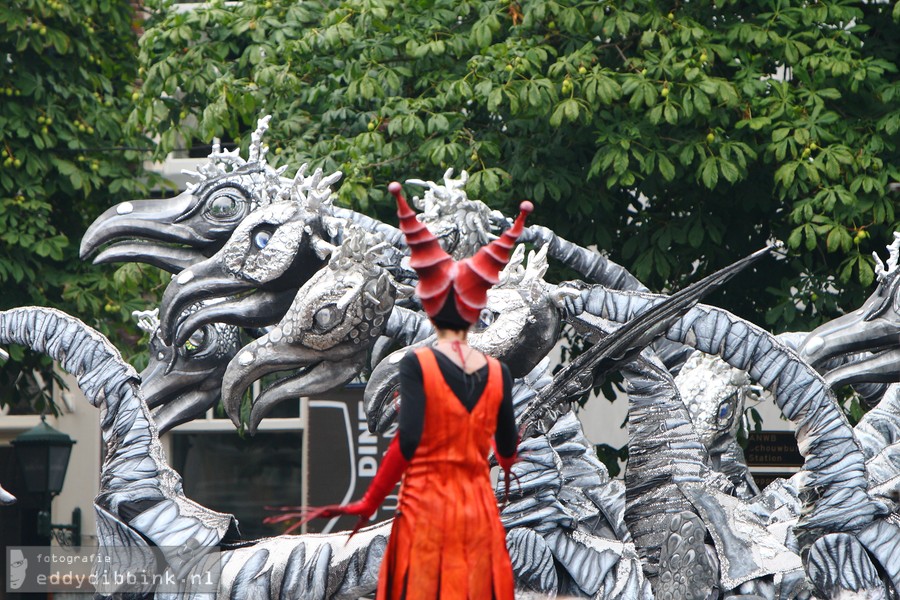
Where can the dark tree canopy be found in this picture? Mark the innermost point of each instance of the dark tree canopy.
(676, 136)
(67, 74)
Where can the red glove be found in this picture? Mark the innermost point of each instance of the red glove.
(389, 473)
(506, 463)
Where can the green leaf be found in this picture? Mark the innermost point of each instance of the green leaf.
(832, 242)
(491, 181)
(795, 239)
(438, 123)
(780, 133)
(696, 234)
(866, 274)
(785, 173)
(76, 180)
(670, 114)
(666, 168)
(709, 173)
(729, 170)
(494, 99)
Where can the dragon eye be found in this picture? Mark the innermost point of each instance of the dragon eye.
(486, 318)
(261, 238)
(326, 318)
(725, 412)
(196, 342)
(225, 203)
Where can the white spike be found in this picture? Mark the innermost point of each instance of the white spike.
(323, 249)
(301, 172)
(147, 320)
(883, 271)
(327, 182)
(315, 179)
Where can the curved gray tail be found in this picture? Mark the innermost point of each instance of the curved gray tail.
(135, 480)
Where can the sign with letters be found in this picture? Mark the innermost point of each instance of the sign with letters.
(772, 449)
(343, 457)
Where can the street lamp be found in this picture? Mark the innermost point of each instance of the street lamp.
(43, 454)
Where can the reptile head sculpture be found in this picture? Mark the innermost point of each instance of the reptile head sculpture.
(871, 332)
(715, 395)
(461, 225)
(181, 383)
(324, 337)
(174, 233)
(271, 253)
(519, 325)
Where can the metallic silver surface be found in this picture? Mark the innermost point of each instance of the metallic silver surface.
(327, 292)
(869, 333)
(564, 495)
(839, 567)
(225, 190)
(462, 226)
(715, 395)
(834, 462)
(327, 332)
(273, 249)
(141, 499)
(182, 383)
(6, 498)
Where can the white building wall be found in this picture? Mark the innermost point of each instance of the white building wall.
(81, 422)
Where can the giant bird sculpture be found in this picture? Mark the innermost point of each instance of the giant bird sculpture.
(180, 383)
(327, 332)
(177, 232)
(253, 249)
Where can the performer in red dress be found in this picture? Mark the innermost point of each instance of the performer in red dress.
(447, 540)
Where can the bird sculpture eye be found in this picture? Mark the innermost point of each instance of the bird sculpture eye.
(196, 342)
(326, 318)
(725, 413)
(261, 238)
(485, 319)
(225, 203)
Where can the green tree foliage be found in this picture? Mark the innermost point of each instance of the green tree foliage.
(677, 136)
(67, 74)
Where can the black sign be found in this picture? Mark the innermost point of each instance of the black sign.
(343, 457)
(772, 449)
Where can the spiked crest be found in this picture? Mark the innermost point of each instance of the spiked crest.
(470, 278)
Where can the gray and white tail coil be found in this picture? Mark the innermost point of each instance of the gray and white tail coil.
(141, 498)
(835, 487)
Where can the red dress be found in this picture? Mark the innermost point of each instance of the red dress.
(447, 541)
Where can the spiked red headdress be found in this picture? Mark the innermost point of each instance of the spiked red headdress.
(470, 278)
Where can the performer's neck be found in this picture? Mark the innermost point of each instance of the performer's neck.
(450, 335)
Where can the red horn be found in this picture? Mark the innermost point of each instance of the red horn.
(433, 265)
(477, 274)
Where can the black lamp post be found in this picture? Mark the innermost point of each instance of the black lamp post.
(43, 454)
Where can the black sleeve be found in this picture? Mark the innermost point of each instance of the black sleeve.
(506, 436)
(412, 405)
